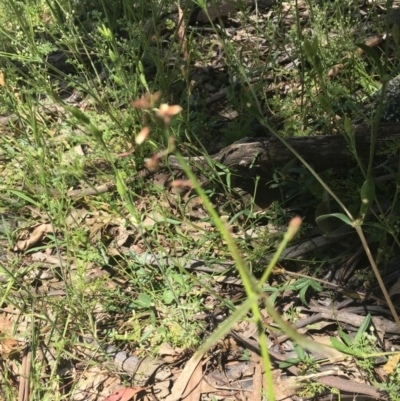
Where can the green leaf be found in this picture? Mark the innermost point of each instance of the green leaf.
(121, 187)
(96, 133)
(308, 49)
(288, 363)
(325, 103)
(340, 216)
(315, 45)
(23, 196)
(343, 348)
(372, 54)
(318, 65)
(302, 295)
(316, 286)
(142, 77)
(324, 209)
(172, 221)
(144, 300)
(168, 297)
(363, 328)
(146, 335)
(346, 338)
(78, 115)
(112, 55)
(348, 128)
(299, 352)
(395, 33)
(367, 197)
(288, 166)
(117, 80)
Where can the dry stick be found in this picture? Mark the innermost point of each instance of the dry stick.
(23, 393)
(332, 381)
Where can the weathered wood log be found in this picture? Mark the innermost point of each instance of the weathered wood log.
(322, 152)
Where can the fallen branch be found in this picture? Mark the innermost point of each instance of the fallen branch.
(322, 152)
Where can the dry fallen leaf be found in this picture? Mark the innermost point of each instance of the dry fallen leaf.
(391, 364)
(335, 70)
(125, 394)
(182, 382)
(37, 234)
(371, 42)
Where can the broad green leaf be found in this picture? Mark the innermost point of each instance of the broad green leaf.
(346, 338)
(372, 53)
(302, 295)
(299, 352)
(316, 286)
(289, 362)
(363, 328)
(23, 196)
(346, 350)
(340, 216)
(144, 300)
(168, 297)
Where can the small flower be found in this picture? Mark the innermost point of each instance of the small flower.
(147, 101)
(182, 184)
(165, 112)
(142, 135)
(153, 163)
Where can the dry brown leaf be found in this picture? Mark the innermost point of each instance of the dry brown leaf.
(183, 379)
(371, 42)
(283, 389)
(193, 389)
(7, 346)
(391, 364)
(95, 384)
(36, 236)
(335, 70)
(6, 324)
(125, 394)
(166, 349)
